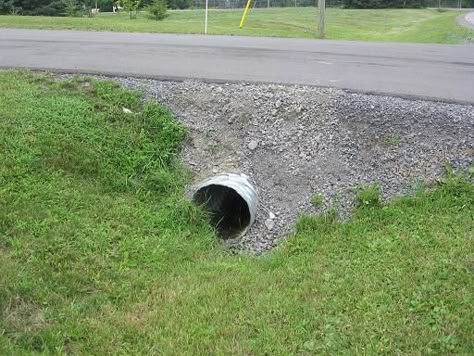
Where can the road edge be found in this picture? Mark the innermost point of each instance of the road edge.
(171, 78)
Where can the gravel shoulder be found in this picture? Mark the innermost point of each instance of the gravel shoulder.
(296, 142)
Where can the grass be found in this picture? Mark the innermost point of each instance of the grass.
(368, 196)
(317, 200)
(100, 253)
(428, 26)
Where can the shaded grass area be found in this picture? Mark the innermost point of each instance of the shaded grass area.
(429, 26)
(101, 253)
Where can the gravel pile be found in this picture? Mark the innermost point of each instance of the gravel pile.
(296, 142)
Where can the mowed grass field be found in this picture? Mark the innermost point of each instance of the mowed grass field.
(101, 253)
(428, 26)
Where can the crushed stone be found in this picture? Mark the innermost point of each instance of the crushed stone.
(296, 142)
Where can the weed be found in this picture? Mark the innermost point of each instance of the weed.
(392, 140)
(317, 200)
(368, 196)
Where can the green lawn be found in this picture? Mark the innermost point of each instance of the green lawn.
(365, 25)
(100, 252)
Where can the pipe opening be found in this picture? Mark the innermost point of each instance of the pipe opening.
(229, 212)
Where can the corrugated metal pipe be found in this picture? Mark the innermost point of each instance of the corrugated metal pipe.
(231, 201)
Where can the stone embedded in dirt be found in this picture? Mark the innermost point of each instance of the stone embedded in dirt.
(253, 145)
(271, 215)
(270, 224)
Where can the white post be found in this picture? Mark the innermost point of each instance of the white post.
(205, 18)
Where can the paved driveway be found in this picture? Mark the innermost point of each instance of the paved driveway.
(468, 20)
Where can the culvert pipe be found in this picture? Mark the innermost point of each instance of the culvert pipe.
(231, 201)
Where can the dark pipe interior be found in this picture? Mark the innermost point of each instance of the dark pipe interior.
(229, 212)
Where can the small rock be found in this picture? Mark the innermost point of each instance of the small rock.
(253, 145)
(270, 224)
(271, 215)
(215, 170)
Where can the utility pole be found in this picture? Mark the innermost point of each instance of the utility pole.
(322, 15)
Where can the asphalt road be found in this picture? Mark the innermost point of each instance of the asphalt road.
(443, 72)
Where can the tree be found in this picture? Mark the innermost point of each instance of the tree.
(131, 6)
(6, 6)
(157, 10)
(382, 4)
(179, 4)
(72, 8)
